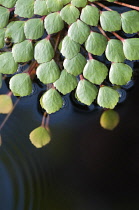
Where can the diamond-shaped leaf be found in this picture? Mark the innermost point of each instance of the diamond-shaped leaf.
(96, 43)
(53, 23)
(86, 92)
(40, 8)
(21, 84)
(131, 48)
(75, 65)
(44, 51)
(107, 97)
(114, 51)
(95, 71)
(66, 82)
(90, 15)
(79, 3)
(51, 101)
(4, 17)
(8, 3)
(7, 63)
(39, 137)
(15, 31)
(110, 20)
(24, 8)
(79, 32)
(54, 6)
(48, 72)
(120, 73)
(23, 52)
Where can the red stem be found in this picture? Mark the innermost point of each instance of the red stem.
(57, 41)
(81, 77)
(10, 93)
(90, 56)
(47, 122)
(48, 37)
(126, 5)
(43, 119)
(33, 65)
(103, 32)
(118, 36)
(103, 6)
(11, 9)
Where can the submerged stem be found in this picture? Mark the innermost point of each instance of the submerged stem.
(118, 36)
(103, 6)
(43, 119)
(103, 32)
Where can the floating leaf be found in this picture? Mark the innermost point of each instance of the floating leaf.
(90, 15)
(109, 119)
(40, 8)
(23, 52)
(131, 48)
(69, 14)
(66, 83)
(110, 20)
(114, 51)
(15, 31)
(79, 3)
(95, 71)
(51, 101)
(7, 63)
(75, 65)
(130, 21)
(69, 48)
(4, 17)
(39, 137)
(8, 4)
(34, 28)
(24, 8)
(79, 32)
(96, 43)
(120, 73)
(44, 51)
(48, 72)
(86, 92)
(6, 104)
(2, 35)
(21, 84)
(54, 6)
(53, 23)
(107, 97)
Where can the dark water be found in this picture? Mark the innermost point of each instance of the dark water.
(84, 167)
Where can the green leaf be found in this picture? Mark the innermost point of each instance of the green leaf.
(86, 92)
(69, 48)
(79, 3)
(39, 137)
(48, 72)
(75, 65)
(40, 8)
(2, 35)
(7, 63)
(69, 14)
(107, 97)
(130, 21)
(65, 1)
(53, 23)
(120, 73)
(114, 51)
(95, 71)
(24, 8)
(8, 4)
(96, 43)
(15, 31)
(79, 32)
(109, 119)
(6, 104)
(54, 6)
(34, 28)
(66, 83)
(110, 21)
(44, 51)
(51, 101)
(90, 15)
(131, 48)
(23, 52)
(0, 80)
(21, 84)
(4, 17)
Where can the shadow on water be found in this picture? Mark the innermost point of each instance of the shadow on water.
(84, 167)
